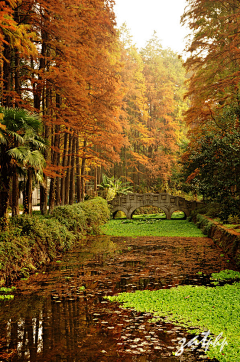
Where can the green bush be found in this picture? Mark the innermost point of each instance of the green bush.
(204, 224)
(232, 219)
(29, 241)
(211, 210)
(97, 214)
(72, 216)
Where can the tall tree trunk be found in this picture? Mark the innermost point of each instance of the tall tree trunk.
(67, 182)
(15, 193)
(83, 171)
(78, 171)
(28, 197)
(5, 178)
(95, 181)
(44, 186)
(42, 93)
(64, 162)
(55, 143)
(58, 183)
(17, 63)
(7, 76)
(72, 173)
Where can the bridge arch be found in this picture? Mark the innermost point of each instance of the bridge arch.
(115, 211)
(133, 209)
(186, 214)
(166, 202)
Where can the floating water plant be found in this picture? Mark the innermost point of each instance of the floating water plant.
(216, 309)
(7, 297)
(226, 275)
(7, 290)
(153, 227)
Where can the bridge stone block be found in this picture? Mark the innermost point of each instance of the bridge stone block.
(168, 203)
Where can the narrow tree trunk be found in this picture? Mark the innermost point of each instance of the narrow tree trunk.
(64, 159)
(82, 178)
(43, 187)
(52, 194)
(72, 174)
(58, 183)
(42, 93)
(78, 172)
(95, 181)
(67, 182)
(55, 152)
(83, 171)
(5, 178)
(28, 198)
(7, 76)
(15, 193)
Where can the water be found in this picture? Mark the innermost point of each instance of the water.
(53, 318)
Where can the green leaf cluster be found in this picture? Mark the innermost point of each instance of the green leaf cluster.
(114, 187)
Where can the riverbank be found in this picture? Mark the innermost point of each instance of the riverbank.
(227, 240)
(27, 243)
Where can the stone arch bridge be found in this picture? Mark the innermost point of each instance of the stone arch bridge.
(168, 203)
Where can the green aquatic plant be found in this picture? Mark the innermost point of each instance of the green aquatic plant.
(151, 227)
(7, 290)
(226, 275)
(7, 297)
(206, 308)
(82, 288)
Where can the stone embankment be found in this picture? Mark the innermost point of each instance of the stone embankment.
(227, 240)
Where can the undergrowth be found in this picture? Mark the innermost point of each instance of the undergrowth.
(26, 242)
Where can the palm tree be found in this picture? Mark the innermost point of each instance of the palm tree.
(20, 146)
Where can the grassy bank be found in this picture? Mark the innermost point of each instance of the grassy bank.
(214, 309)
(150, 225)
(29, 242)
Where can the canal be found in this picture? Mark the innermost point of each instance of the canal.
(60, 314)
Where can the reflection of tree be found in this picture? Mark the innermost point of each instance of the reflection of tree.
(45, 329)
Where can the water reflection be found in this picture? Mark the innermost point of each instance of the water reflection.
(53, 319)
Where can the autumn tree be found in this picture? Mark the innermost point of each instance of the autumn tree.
(65, 67)
(214, 60)
(134, 110)
(153, 88)
(213, 69)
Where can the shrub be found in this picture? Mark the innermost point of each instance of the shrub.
(233, 219)
(29, 241)
(213, 210)
(97, 214)
(72, 216)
